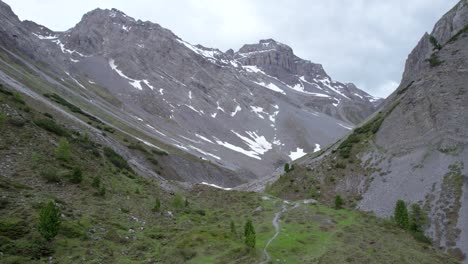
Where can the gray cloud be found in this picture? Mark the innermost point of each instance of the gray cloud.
(360, 41)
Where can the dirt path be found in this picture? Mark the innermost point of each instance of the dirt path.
(275, 223)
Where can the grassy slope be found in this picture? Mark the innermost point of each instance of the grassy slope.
(120, 226)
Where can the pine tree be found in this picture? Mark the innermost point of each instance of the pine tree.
(338, 202)
(49, 221)
(418, 218)
(401, 214)
(249, 233)
(286, 167)
(63, 150)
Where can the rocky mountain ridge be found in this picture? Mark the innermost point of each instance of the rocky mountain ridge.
(249, 111)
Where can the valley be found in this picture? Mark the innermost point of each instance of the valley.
(148, 149)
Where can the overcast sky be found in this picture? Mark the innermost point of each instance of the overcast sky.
(361, 41)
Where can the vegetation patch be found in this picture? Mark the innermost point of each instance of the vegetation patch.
(434, 60)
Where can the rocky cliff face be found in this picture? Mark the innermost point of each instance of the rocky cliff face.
(415, 148)
(249, 111)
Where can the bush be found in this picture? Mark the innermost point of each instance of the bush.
(178, 201)
(18, 98)
(76, 175)
(338, 202)
(249, 234)
(157, 205)
(102, 191)
(401, 214)
(51, 175)
(434, 60)
(116, 159)
(435, 43)
(51, 126)
(49, 221)
(286, 167)
(62, 152)
(96, 182)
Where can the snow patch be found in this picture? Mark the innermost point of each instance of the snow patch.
(203, 138)
(294, 155)
(317, 148)
(230, 146)
(193, 108)
(65, 50)
(237, 109)
(347, 127)
(209, 54)
(77, 82)
(256, 143)
(216, 186)
(45, 37)
(271, 86)
(205, 153)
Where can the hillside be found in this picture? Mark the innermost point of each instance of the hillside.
(413, 149)
(115, 219)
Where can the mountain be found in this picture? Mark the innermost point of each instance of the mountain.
(414, 148)
(112, 212)
(96, 166)
(248, 111)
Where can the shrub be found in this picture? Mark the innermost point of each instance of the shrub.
(314, 192)
(76, 175)
(62, 152)
(159, 152)
(5, 91)
(51, 126)
(49, 221)
(435, 43)
(338, 202)
(401, 215)
(116, 159)
(51, 175)
(18, 98)
(434, 60)
(96, 182)
(102, 191)
(249, 234)
(178, 201)
(157, 205)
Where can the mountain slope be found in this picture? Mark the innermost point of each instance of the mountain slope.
(414, 149)
(109, 212)
(248, 111)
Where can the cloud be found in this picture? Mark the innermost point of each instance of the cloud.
(360, 41)
(386, 88)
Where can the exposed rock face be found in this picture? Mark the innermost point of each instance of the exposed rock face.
(249, 111)
(419, 152)
(428, 135)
